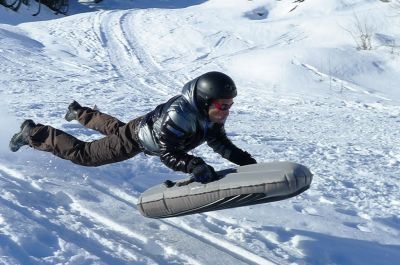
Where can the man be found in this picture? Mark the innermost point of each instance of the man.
(169, 131)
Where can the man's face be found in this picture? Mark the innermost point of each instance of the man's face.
(218, 111)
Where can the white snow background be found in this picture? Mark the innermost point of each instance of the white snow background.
(306, 94)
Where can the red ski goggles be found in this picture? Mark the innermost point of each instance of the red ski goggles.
(223, 107)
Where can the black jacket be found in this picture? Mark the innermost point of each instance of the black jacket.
(178, 126)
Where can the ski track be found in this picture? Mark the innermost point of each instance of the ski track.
(243, 254)
(166, 83)
(229, 248)
(111, 227)
(117, 33)
(232, 249)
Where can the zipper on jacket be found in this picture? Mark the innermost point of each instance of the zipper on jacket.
(205, 130)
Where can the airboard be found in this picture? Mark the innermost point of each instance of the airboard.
(241, 186)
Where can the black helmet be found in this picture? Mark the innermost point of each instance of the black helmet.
(213, 85)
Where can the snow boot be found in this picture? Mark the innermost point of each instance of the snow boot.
(21, 138)
(72, 113)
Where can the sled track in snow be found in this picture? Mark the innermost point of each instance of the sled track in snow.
(126, 235)
(98, 26)
(226, 246)
(115, 30)
(223, 245)
(154, 75)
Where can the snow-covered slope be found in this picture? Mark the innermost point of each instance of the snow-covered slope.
(306, 94)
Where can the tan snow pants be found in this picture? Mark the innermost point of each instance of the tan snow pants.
(120, 141)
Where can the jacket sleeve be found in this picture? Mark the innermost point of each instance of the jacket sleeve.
(172, 140)
(220, 143)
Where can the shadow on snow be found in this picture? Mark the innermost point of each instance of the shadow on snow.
(320, 249)
(76, 8)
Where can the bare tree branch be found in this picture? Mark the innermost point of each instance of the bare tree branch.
(361, 31)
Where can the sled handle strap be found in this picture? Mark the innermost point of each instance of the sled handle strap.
(169, 183)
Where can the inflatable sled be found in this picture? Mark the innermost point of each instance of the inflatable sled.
(242, 186)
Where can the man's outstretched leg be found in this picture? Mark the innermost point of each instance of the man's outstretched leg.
(93, 119)
(113, 148)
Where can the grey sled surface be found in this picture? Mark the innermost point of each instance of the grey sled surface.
(241, 186)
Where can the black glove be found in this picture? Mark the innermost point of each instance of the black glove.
(201, 171)
(242, 158)
(204, 174)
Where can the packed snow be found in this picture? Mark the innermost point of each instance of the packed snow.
(306, 94)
